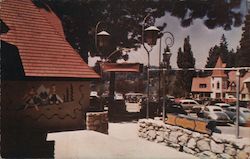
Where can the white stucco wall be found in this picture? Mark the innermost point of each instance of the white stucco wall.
(214, 82)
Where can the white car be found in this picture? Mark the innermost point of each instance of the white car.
(222, 105)
(191, 105)
(216, 113)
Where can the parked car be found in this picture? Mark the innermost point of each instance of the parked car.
(153, 106)
(244, 104)
(174, 108)
(215, 113)
(133, 97)
(191, 105)
(244, 115)
(222, 105)
(171, 98)
(211, 101)
(170, 107)
(230, 99)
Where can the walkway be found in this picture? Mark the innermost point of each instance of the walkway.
(121, 143)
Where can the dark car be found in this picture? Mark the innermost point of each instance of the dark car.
(170, 107)
(153, 106)
(175, 108)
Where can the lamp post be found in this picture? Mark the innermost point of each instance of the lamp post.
(166, 63)
(237, 103)
(102, 41)
(149, 35)
(168, 43)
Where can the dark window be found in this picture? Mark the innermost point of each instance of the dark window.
(193, 103)
(203, 85)
(218, 85)
(223, 95)
(243, 96)
(217, 110)
(217, 95)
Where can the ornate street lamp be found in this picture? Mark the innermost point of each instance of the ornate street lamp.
(103, 39)
(166, 57)
(166, 63)
(151, 35)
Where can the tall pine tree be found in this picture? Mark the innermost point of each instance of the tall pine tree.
(185, 59)
(227, 56)
(243, 54)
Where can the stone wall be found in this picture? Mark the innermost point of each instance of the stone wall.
(97, 121)
(200, 145)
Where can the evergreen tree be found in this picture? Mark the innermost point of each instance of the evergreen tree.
(243, 54)
(213, 55)
(179, 58)
(227, 57)
(185, 59)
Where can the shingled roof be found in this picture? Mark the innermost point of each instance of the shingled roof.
(39, 37)
(197, 81)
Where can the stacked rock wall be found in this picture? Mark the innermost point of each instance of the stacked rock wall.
(97, 121)
(200, 145)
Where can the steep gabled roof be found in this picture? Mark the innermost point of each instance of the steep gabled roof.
(197, 81)
(39, 37)
(219, 73)
(232, 79)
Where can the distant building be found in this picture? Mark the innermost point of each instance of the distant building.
(221, 85)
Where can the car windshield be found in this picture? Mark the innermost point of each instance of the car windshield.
(217, 110)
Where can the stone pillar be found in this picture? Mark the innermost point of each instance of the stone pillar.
(97, 121)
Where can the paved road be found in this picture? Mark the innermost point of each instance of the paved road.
(121, 143)
(231, 129)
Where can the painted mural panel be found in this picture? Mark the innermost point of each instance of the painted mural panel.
(46, 105)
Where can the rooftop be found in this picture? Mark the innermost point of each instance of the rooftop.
(39, 37)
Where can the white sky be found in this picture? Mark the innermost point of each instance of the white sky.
(201, 39)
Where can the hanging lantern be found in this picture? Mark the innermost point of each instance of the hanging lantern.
(151, 34)
(103, 39)
(166, 55)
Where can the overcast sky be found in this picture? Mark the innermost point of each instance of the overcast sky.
(201, 39)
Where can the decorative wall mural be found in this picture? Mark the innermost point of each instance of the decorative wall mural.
(46, 96)
(81, 89)
(53, 97)
(31, 99)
